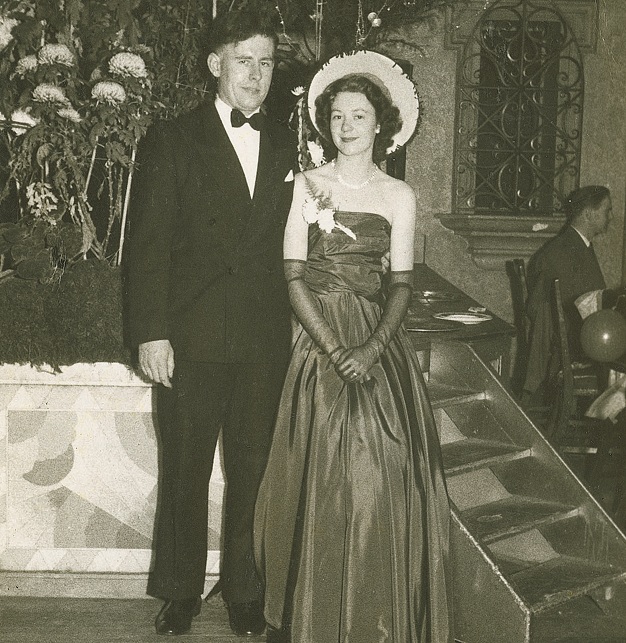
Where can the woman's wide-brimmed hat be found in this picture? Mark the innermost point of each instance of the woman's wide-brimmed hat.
(385, 73)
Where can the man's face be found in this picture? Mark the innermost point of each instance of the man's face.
(601, 217)
(244, 72)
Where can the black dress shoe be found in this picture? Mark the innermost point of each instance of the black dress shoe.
(246, 619)
(175, 617)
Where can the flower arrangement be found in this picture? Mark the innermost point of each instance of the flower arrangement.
(71, 144)
(318, 208)
(80, 82)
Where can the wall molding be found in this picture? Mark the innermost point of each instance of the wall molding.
(582, 16)
(493, 240)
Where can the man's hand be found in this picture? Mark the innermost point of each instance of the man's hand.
(156, 361)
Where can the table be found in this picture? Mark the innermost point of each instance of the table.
(491, 339)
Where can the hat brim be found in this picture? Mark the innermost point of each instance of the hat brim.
(398, 85)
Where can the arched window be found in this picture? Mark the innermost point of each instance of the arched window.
(519, 111)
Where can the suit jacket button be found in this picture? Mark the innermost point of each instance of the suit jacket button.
(232, 270)
(212, 222)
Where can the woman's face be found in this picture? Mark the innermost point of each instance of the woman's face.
(353, 124)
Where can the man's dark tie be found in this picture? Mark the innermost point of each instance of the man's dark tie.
(256, 121)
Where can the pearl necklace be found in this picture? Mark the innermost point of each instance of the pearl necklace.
(354, 186)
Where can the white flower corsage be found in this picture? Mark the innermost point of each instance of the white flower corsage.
(319, 209)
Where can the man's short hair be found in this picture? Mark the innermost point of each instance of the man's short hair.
(589, 196)
(232, 27)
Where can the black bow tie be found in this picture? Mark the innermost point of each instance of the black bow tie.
(256, 121)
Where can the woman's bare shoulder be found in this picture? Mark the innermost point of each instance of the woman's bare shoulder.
(400, 190)
(322, 173)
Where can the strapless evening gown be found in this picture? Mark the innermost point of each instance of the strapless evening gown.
(352, 519)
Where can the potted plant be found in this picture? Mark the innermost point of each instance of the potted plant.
(79, 457)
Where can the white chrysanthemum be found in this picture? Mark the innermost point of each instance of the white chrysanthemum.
(127, 64)
(26, 64)
(316, 152)
(48, 93)
(6, 26)
(56, 55)
(21, 120)
(70, 114)
(108, 92)
(298, 91)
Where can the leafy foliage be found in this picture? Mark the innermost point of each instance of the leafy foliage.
(80, 82)
(78, 319)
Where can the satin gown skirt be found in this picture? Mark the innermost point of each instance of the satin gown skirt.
(351, 528)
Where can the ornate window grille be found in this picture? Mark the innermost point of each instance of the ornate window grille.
(520, 95)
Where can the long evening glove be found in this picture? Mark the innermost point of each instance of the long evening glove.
(355, 363)
(307, 310)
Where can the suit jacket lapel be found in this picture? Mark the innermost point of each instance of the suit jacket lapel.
(225, 178)
(218, 153)
(264, 168)
(226, 175)
(274, 163)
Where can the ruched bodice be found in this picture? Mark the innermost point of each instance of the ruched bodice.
(337, 262)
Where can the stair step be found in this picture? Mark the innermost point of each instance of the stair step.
(512, 515)
(561, 579)
(442, 395)
(581, 620)
(471, 454)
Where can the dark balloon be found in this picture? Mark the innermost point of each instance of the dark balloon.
(603, 335)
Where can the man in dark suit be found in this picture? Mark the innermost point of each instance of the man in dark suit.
(570, 258)
(209, 312)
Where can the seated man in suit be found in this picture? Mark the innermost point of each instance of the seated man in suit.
(570, 258)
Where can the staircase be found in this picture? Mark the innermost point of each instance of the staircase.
(531, 548)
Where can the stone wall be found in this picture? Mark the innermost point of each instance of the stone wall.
(430, 160)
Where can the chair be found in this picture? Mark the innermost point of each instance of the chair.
(587, 380)
(516, 271)
(565, 422)
(598, 443)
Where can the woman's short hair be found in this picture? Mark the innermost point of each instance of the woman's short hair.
(589, 196)
(387, 114)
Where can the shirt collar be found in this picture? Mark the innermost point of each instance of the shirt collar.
(583, 237)
(224, 109)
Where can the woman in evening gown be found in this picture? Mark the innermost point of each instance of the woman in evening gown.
(352, 518)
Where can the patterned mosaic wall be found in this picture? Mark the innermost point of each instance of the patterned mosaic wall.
(78, 472)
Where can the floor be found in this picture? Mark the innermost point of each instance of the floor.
(65, 620)
(81, 620)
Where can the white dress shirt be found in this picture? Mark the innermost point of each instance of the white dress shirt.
(245, 140)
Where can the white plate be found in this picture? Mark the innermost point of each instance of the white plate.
(464, 318)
